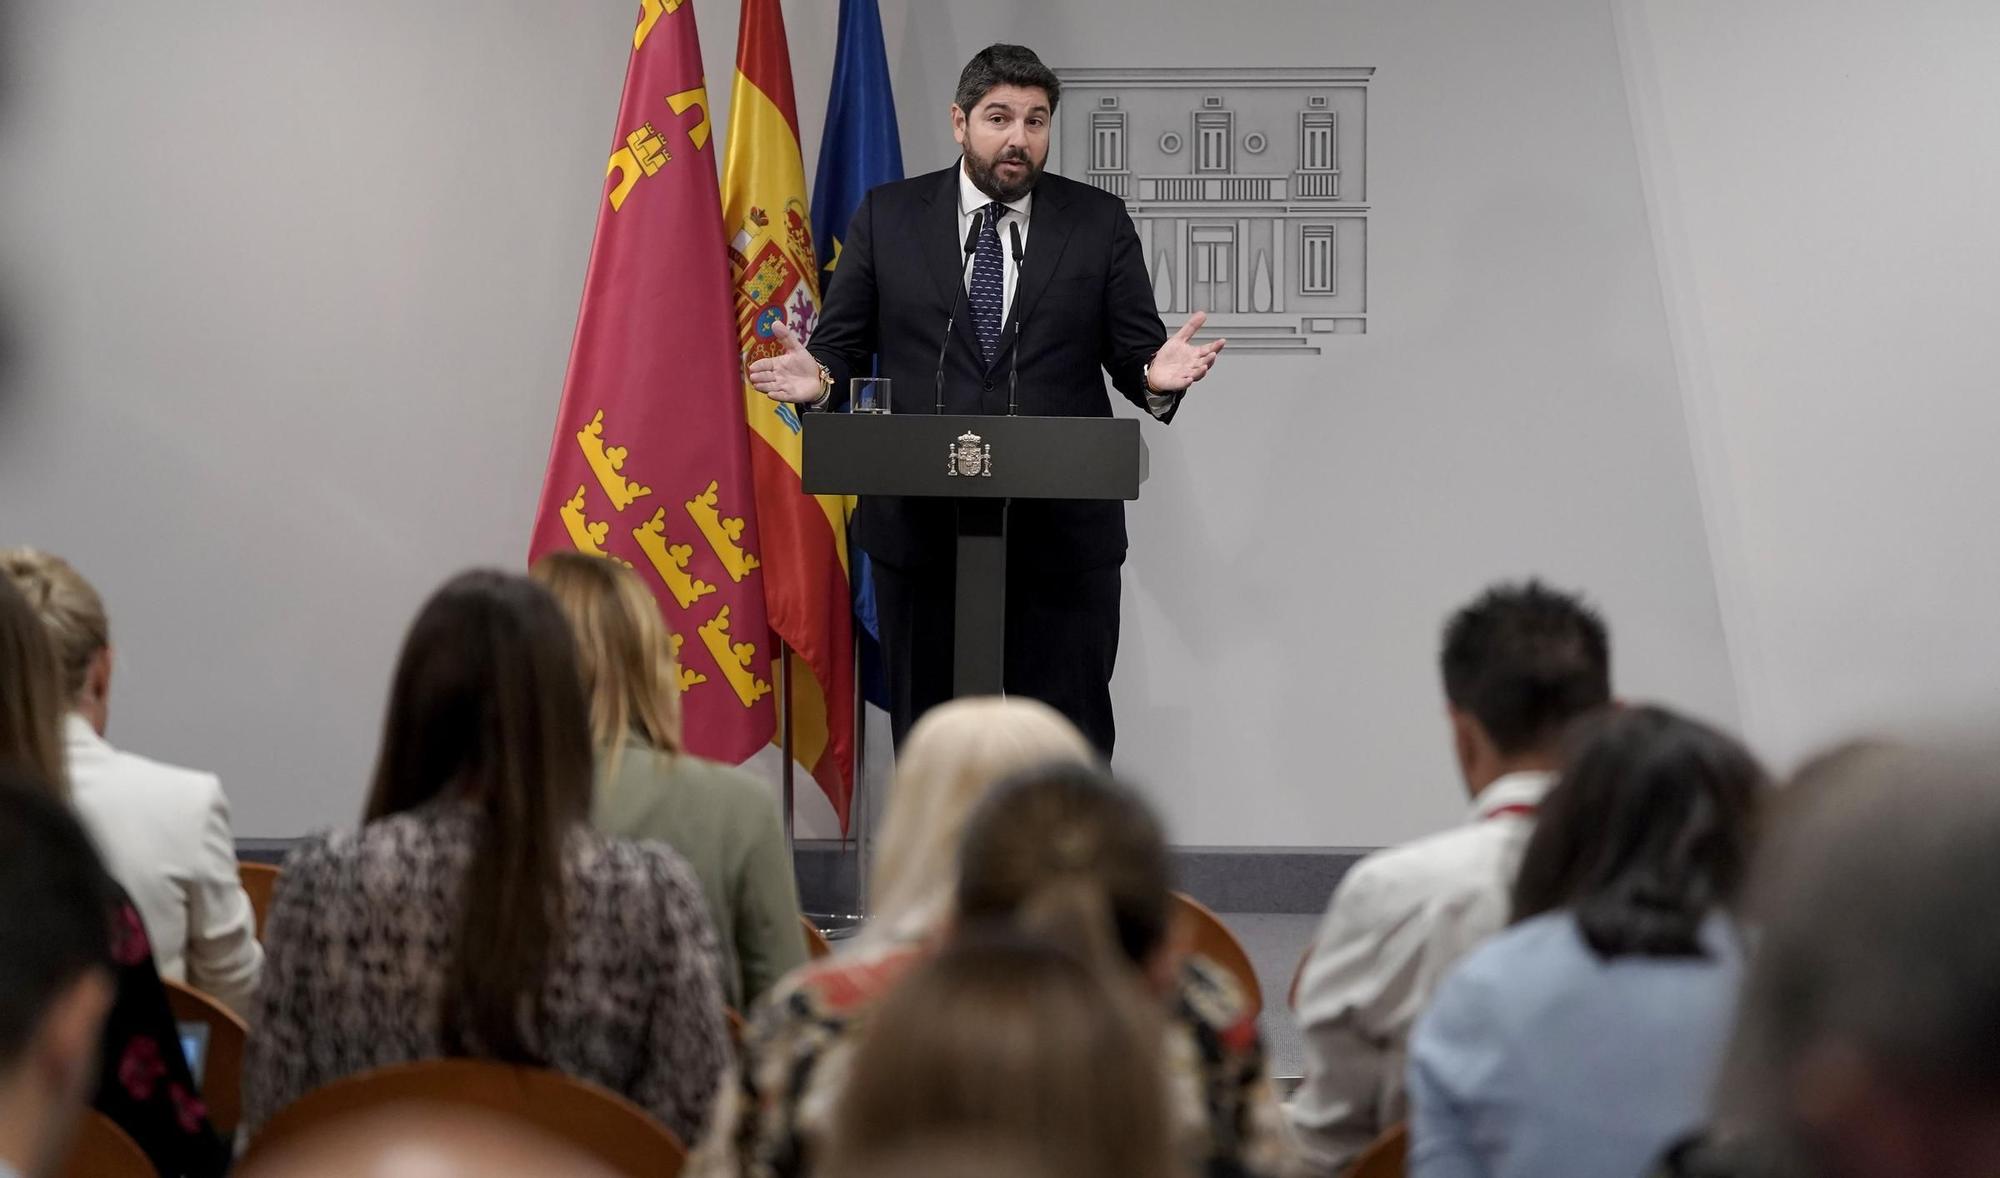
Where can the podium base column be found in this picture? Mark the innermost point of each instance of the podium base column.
(979, 619)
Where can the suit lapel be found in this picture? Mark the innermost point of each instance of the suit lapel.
(1048, 233)
(942, 243)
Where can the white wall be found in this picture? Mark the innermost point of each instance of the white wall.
(1825, 179)
(294, 283)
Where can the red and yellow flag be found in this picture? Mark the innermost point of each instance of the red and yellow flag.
(777, 278)
(651, 462)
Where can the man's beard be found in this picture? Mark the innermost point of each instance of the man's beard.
(986, 177)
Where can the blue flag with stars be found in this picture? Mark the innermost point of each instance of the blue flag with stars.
(858, 150)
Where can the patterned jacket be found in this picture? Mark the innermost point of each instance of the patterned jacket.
(364, 925)
(776, 1110)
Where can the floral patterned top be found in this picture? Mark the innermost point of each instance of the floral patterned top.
(364, 924)
(778, 1107)
(143, 1081)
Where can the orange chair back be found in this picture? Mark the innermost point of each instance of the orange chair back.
(259, 881)
(817, 946)
(1385, 1156)
(103, 1150)
(597, 1121)
(1204, 933)
(222, 1069)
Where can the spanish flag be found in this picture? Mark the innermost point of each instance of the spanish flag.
(650, 465)
(769, 230)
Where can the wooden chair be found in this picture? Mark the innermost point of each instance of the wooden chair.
(222, 1068)
(595, 1120)
(1208, 936)
(259, 881)
(817, 946)
(103, 1150)
(1298, 975)
(1385, 1157)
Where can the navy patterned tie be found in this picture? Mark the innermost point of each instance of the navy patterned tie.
(988, 292)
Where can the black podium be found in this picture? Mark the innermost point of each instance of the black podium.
(981, 462)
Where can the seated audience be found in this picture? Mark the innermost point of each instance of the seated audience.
(1584, 1039)
(143, 1081)
(723, 820)
(476, 913)
(1519, 665)
(1865, 1042)
(1056, 846)
(56, 981)
(1017, 1040)
(164, 832)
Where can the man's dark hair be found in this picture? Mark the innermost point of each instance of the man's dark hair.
(1004, 65)
(1525, 660)
(55, 907)
(1648, 832)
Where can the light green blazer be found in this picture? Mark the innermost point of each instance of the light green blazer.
(725, 823)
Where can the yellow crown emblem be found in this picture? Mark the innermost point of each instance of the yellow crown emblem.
(723, 532)
(733, 658)
(687, 678)
(587, 536)
(606, 463)
(670, 560)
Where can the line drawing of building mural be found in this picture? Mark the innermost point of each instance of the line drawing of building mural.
(1248, 187)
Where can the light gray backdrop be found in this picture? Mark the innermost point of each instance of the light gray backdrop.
(288, 290)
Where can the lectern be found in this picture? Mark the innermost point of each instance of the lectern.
(981, 463)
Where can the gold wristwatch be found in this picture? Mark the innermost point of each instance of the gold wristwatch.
(825, 387)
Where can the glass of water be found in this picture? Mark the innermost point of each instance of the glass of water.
(868, 394)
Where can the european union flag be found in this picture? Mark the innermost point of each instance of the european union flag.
(858, 150)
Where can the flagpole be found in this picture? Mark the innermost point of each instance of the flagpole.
(858, 807)
(786, 784)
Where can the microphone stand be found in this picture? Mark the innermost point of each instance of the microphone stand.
(971, 244)
(1014, 362)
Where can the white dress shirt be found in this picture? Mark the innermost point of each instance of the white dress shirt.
(1399, 919)
(164, 835)
(1019, 212)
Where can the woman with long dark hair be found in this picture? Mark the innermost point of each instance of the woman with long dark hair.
(1584, 1039)
(475, 913)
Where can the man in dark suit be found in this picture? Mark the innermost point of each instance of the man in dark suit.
(1079, 305)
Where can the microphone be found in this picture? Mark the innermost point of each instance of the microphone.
(971, 244)
(1014, 362)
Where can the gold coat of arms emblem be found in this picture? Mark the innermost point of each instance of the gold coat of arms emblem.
(971, 457)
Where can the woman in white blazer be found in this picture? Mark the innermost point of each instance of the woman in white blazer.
(163, 831)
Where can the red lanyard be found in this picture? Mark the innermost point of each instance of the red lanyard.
(1523, 809)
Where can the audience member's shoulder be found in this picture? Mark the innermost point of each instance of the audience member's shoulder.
(162, 780)
(624, 864)
(729, 786)
(850, 980)
(1440, 863)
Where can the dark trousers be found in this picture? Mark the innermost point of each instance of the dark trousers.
(1062, 641)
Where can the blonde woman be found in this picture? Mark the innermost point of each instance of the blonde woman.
(794, 1049)
(164, 831)
(722, 820)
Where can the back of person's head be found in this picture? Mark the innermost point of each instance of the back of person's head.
(1868, 1039)
(624, 647)
(946, 1153)
(55, 966)
(1066, 853)
(68, 605)
(1648, 831)
(31, 696)
(951, 758)
(1015, 1039)
(422, 1140)
(1520, 664)
(487, 708)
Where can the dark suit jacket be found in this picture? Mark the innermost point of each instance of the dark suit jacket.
(1085, 308)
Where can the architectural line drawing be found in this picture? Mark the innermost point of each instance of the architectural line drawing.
(1248, 187)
